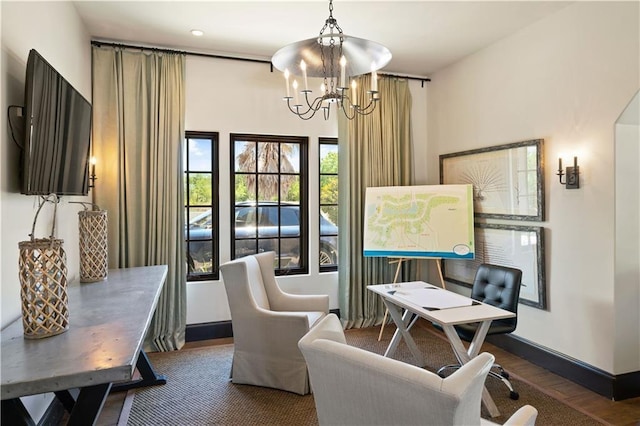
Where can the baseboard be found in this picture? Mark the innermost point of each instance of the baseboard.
(615, 387)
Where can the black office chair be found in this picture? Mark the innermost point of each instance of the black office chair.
(498, 286)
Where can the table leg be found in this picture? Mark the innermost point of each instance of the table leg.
(464, 355)
(14, 413)
(87, 408)
(148, 376)
(402, 323)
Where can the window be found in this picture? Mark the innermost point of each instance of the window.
(328, 193)
(200, 163)
(269, 199)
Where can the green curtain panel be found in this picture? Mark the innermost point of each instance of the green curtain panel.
(375, 150)
(138, 130)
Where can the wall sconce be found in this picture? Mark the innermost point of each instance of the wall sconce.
(572, 180)
(92, 176)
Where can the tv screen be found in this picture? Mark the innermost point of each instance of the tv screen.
(57, 120)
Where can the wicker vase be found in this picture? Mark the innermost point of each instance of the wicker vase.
(43, 285)
(93, 245)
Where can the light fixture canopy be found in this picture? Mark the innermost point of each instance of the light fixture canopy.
(335, 57)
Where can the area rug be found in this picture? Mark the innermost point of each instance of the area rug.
(198, 390)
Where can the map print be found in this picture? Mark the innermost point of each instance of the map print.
(433, 221)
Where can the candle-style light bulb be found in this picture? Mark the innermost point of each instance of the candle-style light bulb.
(286, 79)
(354, 98)
(303, 67)
(295, 92)
(374, 78)
(343, 71)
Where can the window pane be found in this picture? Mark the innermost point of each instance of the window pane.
(290, 188)
(328, 158)
(328, 220)
(245, 156)
(268, 157)
(290, 162)
(244, 188)
(268, 186)
(200, 256)
(328, 189)
(200, 188)
(245, 223)
(200, 155)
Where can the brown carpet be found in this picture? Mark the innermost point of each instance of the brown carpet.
(198, 390)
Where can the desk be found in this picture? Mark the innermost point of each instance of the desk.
(108, 321)
(448, 309)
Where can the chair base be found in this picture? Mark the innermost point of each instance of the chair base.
(501, 375)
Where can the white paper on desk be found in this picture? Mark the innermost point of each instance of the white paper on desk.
(433, 298)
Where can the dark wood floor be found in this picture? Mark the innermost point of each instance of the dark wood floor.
(620, 413)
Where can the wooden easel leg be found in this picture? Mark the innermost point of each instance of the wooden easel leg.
(386, 311)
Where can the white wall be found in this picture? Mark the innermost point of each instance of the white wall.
(566, 79)
(241, 97)
(627, 249)
(55, 31)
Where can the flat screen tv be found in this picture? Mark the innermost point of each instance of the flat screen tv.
(57, 129)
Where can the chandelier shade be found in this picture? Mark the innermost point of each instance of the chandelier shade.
(336, 58)
(363, 56)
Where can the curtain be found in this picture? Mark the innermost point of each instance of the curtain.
(375, 150)
(138, 131)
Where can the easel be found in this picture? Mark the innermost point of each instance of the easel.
(395, 280)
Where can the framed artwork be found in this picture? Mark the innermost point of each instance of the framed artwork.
(515, 246)
(507, 179)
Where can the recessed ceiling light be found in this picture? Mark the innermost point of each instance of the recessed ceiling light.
(197, 33)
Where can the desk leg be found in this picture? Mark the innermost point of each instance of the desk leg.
(148, 376)
(463, 355)
(14, 413)
(88, 405)
(402, 323)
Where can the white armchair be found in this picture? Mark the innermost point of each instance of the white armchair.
(267, 324)
(352, 386)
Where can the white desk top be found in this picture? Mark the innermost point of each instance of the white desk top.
(446, 307)
(107, 324)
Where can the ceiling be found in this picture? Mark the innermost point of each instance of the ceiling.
(423, 36)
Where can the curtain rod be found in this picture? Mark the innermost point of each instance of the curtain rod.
(236, 58)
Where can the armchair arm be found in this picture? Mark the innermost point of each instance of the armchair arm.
(300, 302)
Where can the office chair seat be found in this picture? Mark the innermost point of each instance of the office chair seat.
(498, 286)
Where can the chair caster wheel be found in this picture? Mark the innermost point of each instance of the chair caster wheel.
(514, 395)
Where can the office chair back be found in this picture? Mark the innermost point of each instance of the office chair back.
(498, 286)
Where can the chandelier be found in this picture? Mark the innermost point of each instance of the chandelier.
(336, 58)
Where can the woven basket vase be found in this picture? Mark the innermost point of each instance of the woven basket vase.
(93, 245)
(43, 287)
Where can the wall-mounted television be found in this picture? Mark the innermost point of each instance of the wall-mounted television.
(57, 133)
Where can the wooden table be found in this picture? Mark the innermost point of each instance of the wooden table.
(419, 299)
(108, 321)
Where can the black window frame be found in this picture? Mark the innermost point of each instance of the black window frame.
(303, 143)
(214, 275)
(325, 141)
